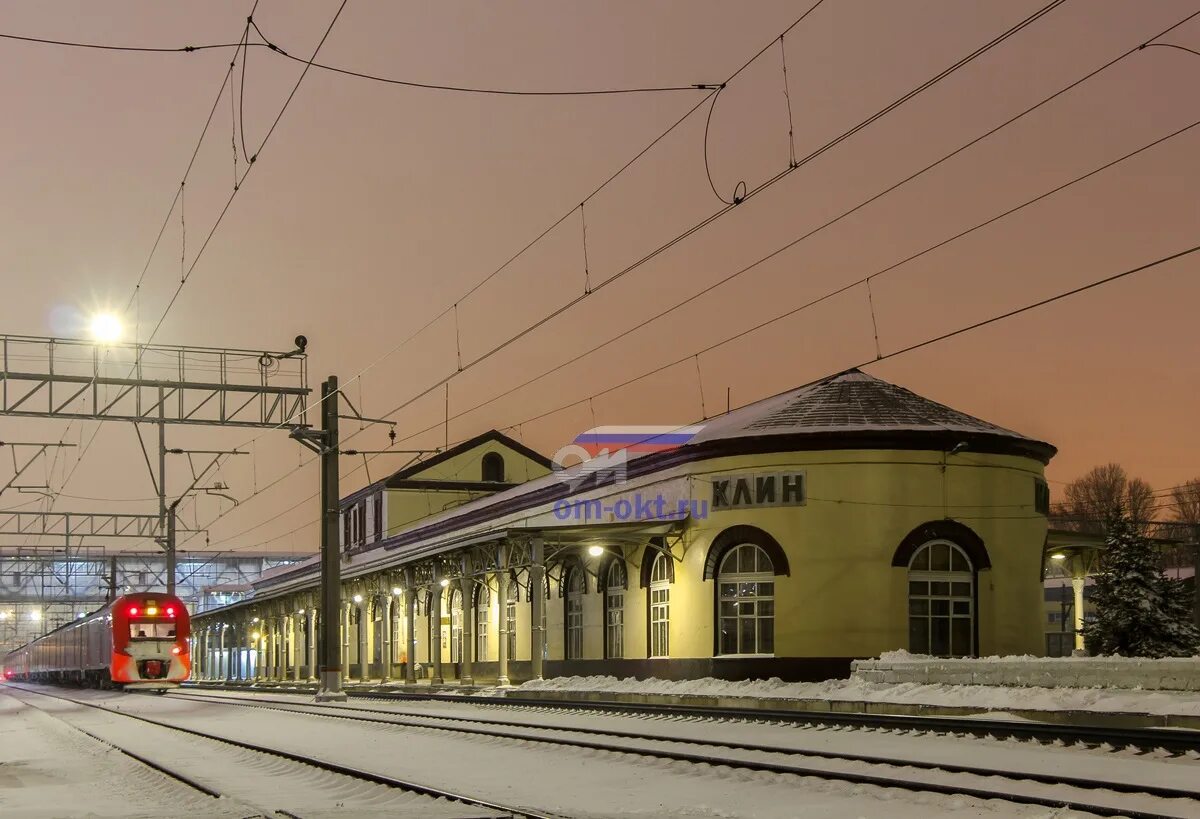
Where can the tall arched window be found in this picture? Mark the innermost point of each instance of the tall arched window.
(483, 605)
(746, 596)
(941, 601)
(576, 583)
(456, 626)
(614, 609)
(493, 467)
(660, 607)
(510, 618)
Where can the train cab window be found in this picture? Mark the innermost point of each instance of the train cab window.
(151, 631)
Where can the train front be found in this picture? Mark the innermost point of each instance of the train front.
(150, 641)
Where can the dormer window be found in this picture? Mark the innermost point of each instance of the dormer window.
(493, 467)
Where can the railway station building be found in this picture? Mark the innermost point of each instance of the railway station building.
(835, 521)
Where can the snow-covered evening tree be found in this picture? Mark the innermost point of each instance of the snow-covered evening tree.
(1140, 611)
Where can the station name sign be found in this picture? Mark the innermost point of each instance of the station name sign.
(753, 489)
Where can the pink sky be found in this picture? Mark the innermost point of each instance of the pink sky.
(375, 207)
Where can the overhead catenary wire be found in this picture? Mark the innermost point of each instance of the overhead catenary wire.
(1004, 316)
(763, 186)
(743, 333)
(275, 49)
(817, 300)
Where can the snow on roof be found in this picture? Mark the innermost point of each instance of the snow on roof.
(852, 401)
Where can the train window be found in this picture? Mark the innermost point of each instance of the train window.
(151, 631)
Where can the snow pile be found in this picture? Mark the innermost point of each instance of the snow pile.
(993, 698)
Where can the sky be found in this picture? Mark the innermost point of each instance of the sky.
(374, 208)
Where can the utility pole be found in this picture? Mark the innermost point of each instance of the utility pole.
(331, 567)
(325, 443)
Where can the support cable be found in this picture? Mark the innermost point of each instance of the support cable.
(893, 354)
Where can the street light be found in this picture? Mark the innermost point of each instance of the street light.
(105, 328)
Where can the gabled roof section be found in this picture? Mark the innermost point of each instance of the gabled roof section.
(492, 435)
(855, 404)
(410, 477)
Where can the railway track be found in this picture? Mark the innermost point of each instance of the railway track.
(236, 770)
(1146, 740)
(1104, 797)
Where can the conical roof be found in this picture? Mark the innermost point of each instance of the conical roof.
(858, 407)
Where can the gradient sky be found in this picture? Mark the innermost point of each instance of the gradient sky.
(375, 207)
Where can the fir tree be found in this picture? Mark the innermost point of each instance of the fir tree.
(1140, 612)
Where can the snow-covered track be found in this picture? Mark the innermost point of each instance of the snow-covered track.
(158, 767)
(357, 786)
(1099, 797)
(1172, 740)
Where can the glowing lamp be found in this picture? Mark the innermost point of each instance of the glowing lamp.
(397, 591)
(357, 598)
(1058, 556)
(170, 611)
(133, 611)
(175, 649)
(445, 583)
(255, 636)
(595, 551)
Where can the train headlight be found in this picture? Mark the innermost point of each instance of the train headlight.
(152, 611)
(133, 611)
(170, 611)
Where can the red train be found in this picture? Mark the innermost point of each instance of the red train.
(136, 641)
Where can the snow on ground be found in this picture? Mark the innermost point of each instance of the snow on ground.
(1175, 772)
(48, 770)
(992, 698)
(571, 781)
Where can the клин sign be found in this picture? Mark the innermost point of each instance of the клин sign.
(752, 489)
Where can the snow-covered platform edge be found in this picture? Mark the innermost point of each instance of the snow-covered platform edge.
(1084, 704)
(1133, 673)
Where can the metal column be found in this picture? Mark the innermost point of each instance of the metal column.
(331, 569)
(502, 581)
(310, 643)
(537, 606)
(364, 644)
(435, 631)
(410, 616)
(385, 642)
(468, 627)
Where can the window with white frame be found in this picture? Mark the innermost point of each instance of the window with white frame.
(510, 618)
(941, 601)
(660, 607)
(576, 583)
(614, 609)
(456, 626)
(483, 604)
(746, 600)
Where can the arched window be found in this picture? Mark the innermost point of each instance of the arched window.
(614, 609)
(483, 604)
(493, 467)
(746, 596)
(660, 607)
(941, 601)
(510, 618)
(576, 583)
(456, 626)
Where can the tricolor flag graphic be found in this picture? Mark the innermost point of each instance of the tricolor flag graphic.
(634, 439)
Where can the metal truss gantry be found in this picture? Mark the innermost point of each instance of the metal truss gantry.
(71, 378)
(78, 525)
(41, 589)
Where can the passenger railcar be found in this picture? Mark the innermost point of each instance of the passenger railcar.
(136, 641)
